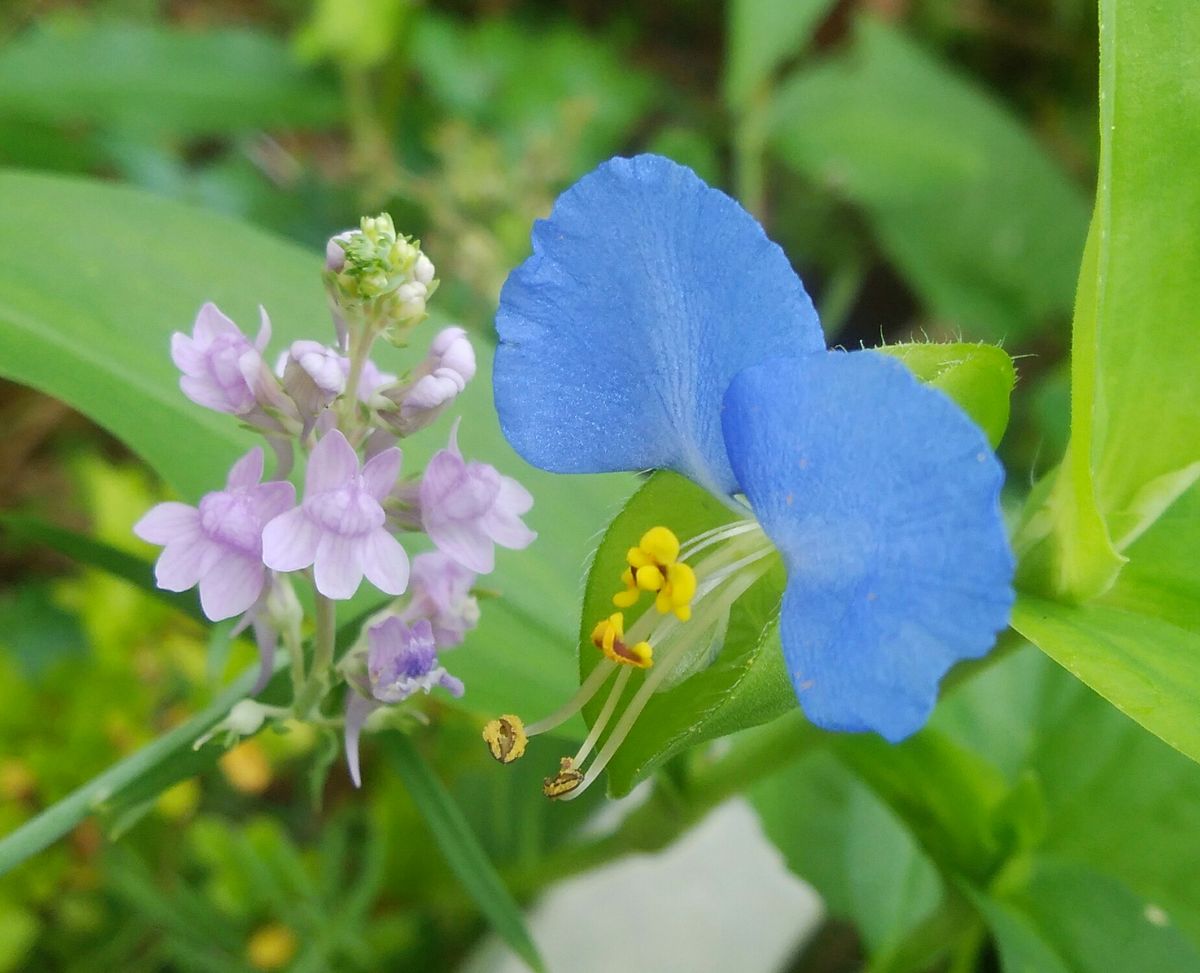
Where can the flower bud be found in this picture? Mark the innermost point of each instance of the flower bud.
(378, 277)
(312, 377)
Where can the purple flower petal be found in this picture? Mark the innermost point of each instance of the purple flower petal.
(464, 541)
(358, 709)
(168, 522)
(211, 321)
(263, 338)
(332, 464)
(379, 475)
(290, 541)
(273, 498)
(385, 562)
(247, 472)
(187, 357)
(338, 566)
(503, 522)
(184, 562)
(231, 586)
(203, 392)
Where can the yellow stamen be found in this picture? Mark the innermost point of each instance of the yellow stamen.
(565, 781)
(506, 738)
(654, 567)
(607, 636)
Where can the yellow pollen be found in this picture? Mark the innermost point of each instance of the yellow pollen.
(607, 637)
(565, 781)
(506, 738)
(654, 567)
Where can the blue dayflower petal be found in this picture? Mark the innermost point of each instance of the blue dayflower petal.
(647, 291)
(883, 498)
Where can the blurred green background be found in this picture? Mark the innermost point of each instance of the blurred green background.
(926, 164)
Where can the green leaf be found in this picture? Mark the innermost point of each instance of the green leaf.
(837, 835)
(763, 34)
(461, 848)
(1145, 666)
(153, 78)
(1074, 919)
(969, 208)
(87, 315)
(1135, 433)
(947, 796)
(746, 684)
(979, 377)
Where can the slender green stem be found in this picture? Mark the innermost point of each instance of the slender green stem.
(324, 644)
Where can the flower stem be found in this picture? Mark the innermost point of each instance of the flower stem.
(317, 685)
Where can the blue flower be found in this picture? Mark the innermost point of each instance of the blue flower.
(656, 326)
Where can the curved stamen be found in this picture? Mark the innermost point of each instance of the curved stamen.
(585, 692)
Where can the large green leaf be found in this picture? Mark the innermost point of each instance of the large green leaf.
(1135, 427)
(86, 316)
(1116, 798)
(157, 78)
(1071, 919)
(1145, 666)
(969, 208)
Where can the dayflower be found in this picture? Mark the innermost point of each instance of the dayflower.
(469, 508)
(218, 545)
(401, 661)
(656, 326)
(339, 528)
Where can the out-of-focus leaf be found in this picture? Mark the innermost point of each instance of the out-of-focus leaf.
(1135, 430)
(970, 209)
(360, 34)
(525, 80)
(763, 34)
(156, 78)
(745, 685)
(1116, 797)
(462, 850)
(978, 377)
(841, 838)
(97, 554)
(1073, 918)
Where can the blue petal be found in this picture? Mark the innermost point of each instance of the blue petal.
(883, 497)
(646, 293)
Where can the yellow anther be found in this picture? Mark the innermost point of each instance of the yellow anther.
(660, 544)
(565, 781)
(650, 567)
(506, 738)
(607, 637)
(627, 598)
(649, 578)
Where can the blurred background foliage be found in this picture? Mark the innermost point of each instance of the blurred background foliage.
(928, 167)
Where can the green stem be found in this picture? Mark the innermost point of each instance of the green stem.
(324, 645)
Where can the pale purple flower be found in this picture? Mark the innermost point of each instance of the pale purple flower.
(221, 369)
(219, 544)
(312, 377)
(468, 508)
(401, 661)
(440, 591)
(444, 373)
(339, 528)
